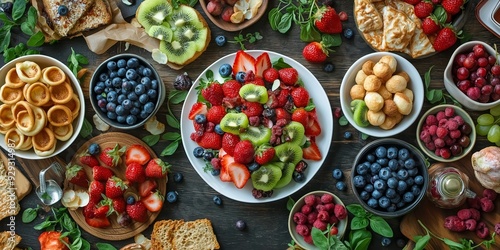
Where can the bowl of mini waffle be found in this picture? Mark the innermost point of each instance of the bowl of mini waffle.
(41, 107)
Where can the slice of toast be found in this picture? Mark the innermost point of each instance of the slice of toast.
(180, 235)
(100, 14)
(9, 241)
(63, 24)
(163, 233)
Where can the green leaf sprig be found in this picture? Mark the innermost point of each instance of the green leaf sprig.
(75, 62)
(421, 241)
(437, 96)
(249, 37)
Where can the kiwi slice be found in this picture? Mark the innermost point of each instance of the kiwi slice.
(161, 32)
(286, 175)
(254, 93)
(289, 152)
(178, 52)
(234, 123)
(153, 12)
(266, 177)
(190, 32)
(184, 15)
(257, 135)
(360, 110)
(294, 133)
(279, 164)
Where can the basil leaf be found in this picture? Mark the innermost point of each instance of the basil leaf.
(81, 59)
(32, 16)
(453, 244)
(285, 23)
(337, 244)
(8, 55)
(427, 78)
(357, 210)
(319, 238)
(36, 40)
(178, 96)
(359, 223)
(67, 222)
(170, 149)
(29, 215)
(274, 16)
(26, 29)
(380, 226)
(172, 121)
(171, 136)
(6, 38)
(363, 244)
(357, 236)
(105, 246)
(86, 129)
(421, 242)
(77, 244)
(18, 9)
(43, 225)
(290, 203)
(85, 245)
(151, 140)
(5, 19)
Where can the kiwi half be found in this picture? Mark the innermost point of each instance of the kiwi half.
(294, 133)
(184, 15)
(153, 12)
(254, 93)
(178, 52)
(161, 32)
(191, 33)
(266, 177)
(234, 123)
(360, 110)
(289, 152)
(257, 135)
(286, 175)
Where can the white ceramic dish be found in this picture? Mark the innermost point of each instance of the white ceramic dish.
(323, 141)
(415, 84)
(496, 12)
(45, 61)
(451, 87)
(484, 11)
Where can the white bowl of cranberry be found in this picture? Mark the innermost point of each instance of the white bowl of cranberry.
(389, 177)
(446, 133)
(125, 91)
(472, 76)
(320, 209)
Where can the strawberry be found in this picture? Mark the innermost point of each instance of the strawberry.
(111, 157)
(423, 9)
(104, 208)
(311, 152)
(302, 116)
(446, 38)
(216, 113)
(283, 97)
(88, 210)
(115, 187)
(231, 88)
(300, 97)
(76, 175)
(245, 152)
(96, 189)
(281, 113)
(213, 93)
(224, 173)
(100, 173)
(135, 172)
(210, 140)
(271, 74)
(327, 21)
(98, 222)
(157, 168)
(229, 141)
(197, 108)
(88, 159)
(137, 211)
(146, 187)
(259, 81)
(314, 128)
(252, 109)
(153, 202)
(264, 154)
(239, 174)
(289, 76)
(119, 204)
(243, 62)
(430, 25)
(315, 52)
(452, 7)
(137, 153)
(262, 62)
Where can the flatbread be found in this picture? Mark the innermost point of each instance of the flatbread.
(63, 24)
(9, 205)
(7, 242)
(100, 14)
(398, 29)
(367, 16)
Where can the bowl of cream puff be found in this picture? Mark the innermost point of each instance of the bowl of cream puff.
(381, 94)
(41, 107)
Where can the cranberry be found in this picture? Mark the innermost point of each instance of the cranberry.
(495, 97)
(484, 98)
(496, 90)
(479, 50)
(462, 73)
(474, 93)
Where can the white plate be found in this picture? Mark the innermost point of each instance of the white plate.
(228, 189)
(484, 12)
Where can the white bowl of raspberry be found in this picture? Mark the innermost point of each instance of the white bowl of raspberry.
(472, 76)
(317, 209)
(446, 133)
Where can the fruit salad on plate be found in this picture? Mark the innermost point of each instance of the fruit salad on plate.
(252, 129)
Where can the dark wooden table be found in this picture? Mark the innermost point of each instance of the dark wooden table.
(267, 223)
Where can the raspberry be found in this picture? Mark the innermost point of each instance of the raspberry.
(475, 214)
(452, 125)
(449, 112)
(308, 239)
(482, 230)
(330, 207)
(210, 127)
(440, 115)
(453, 223)
(441, 132)
(323, 216)
(311, 218)
(430, 146)
(302, 230)
(474, 202)
(326, 198)
(470, 224)
(449, 141)
(490, 194)
(215, 162)
(300, 218)
(486, 204)
(442, 123)
(320, 207)
(439, 143)
(340, 212)
(333, 220)
(464, 214)
(431, 120)
(343, 16)
(306, 209)
(301, 166)
(455, 134)
(337, 112)
(310, 200)
(459, 120)
(497, 228)
(425, 136)
(321, 225)
(254, 121)
(432, 129)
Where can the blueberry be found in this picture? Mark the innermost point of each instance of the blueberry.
(149, 107)
(7, 7)
(384, 202)
(401, 204)
(376, 194)
(419, 180)
(122, 63)
(385, 173)
(402, 186)
(369, 188)
(94, 149)
(218, 129)
(215, 172)
(112, 96)
(120, 110)
(139, 89)
(347, 135)
(143, 114)
(396, 199)
(131, 74)
(375, 168)
(113, 74)
(402, 174)
(111, 115)
(392, 208)
(370, 158)
(225, 70)
(198, 152)
(403, 154)
(392, 182)
(329, 67)
(383, 161)
(111, 65)
(415, 190)
(200, 118)
(102, 103)
(133, 96)
(103, 77)
(154, 84)
(381, 152)
(410, 181)
(127, 104)
(147, 72)
(359, 181)
(240, 76)
(362, 169)
(98, 90)
(401, 242)
(241, 225)
(364, 195)
(341, 186)
(62, 10)
(408, 197)
(133, 62)
(337, 174)
(217, 200)
(121, 119)
(146, 81)
(348, 33)
(108, 83)
(140, 69)
(131, 119)
(121, 98)
(298, 176)
(252, 166)
(152, 93)
(372, 202)
(178, 177)
(390, 193)
(144, 98)
(393, 164)
(386, 241)
(111, 107)
(172, 196)
(410, 163)
(208, 155)
(135, 111)
(392, 152)
(380, 185)
(220, 40)
(413, 172)
(130, 200)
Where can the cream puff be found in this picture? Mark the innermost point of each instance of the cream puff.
(374, 101)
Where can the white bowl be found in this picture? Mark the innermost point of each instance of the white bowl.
(452, 88)
(45, 61)
(415, 84)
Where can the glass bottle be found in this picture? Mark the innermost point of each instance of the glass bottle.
(448, 187)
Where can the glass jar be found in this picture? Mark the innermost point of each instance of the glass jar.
(448, 187)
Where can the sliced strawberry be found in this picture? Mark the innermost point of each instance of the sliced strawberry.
(243, 62)
(146, 187)
(197, 108)
(239, 174)
(314, 128)
(137, 153)
(262, 63)
(312, 152)
(98, 222)
(154, 202)
(224, 173)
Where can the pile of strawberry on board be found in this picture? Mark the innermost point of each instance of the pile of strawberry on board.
(437, 17)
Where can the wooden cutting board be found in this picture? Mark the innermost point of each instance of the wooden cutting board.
(23, 185)
(433, 217)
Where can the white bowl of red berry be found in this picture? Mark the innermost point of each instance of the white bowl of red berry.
(472, 76)
(446, 133)
(318, 209)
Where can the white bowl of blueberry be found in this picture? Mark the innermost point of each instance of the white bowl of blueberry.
(125, 91)
(389, 177)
